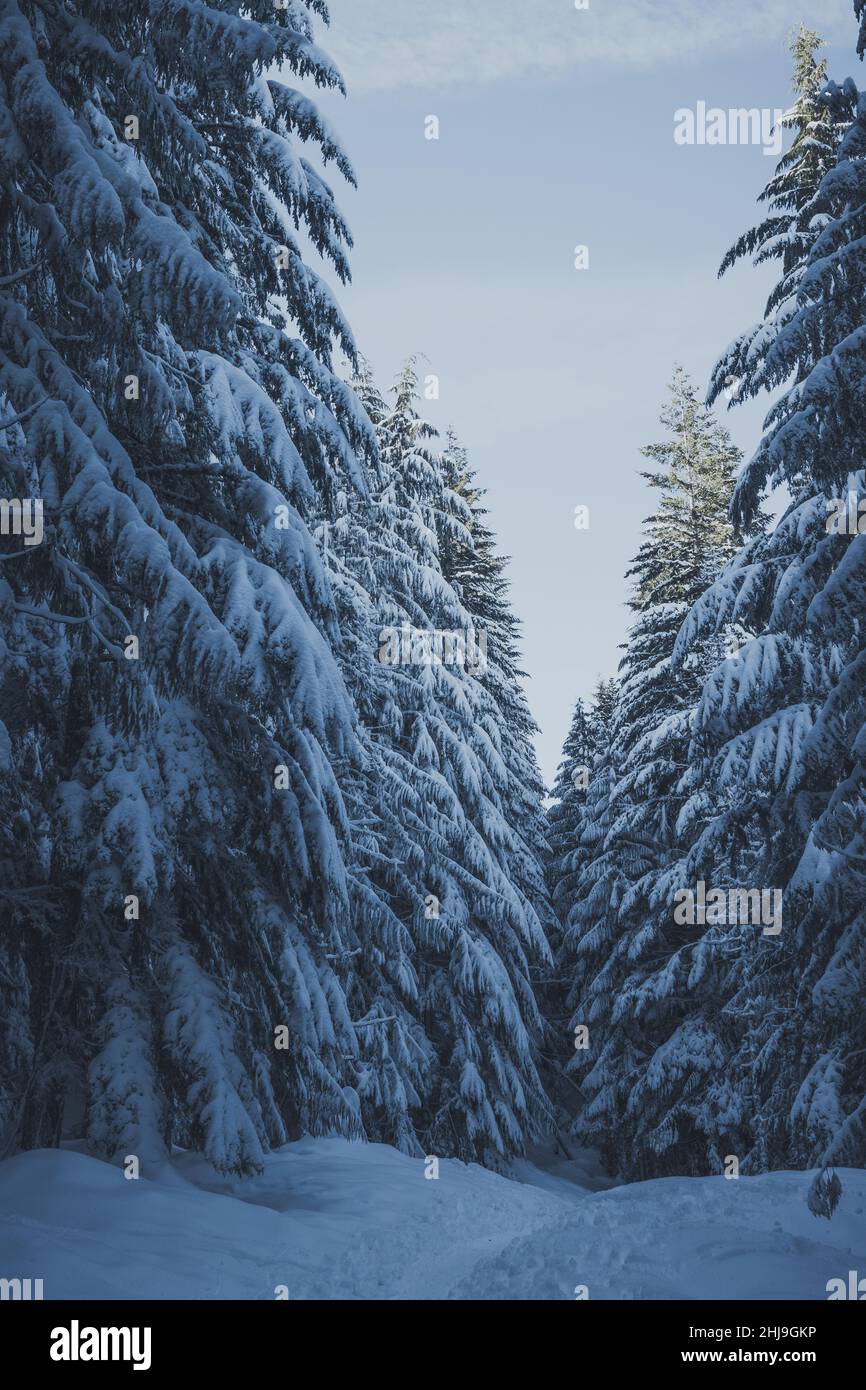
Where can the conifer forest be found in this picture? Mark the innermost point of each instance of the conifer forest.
(432, 663)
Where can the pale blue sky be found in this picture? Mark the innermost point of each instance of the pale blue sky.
(556, 128)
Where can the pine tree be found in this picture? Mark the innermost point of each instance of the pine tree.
(795, 220)
(582, 862)
(478, 573)
(443, 846)
(583, 884)
(632, 964)
(393, 1065)
(779, 735)
(568, 818)
(172, 709)
(565, 817)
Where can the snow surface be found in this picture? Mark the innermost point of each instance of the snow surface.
(333, 1219)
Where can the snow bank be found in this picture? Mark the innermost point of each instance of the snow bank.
(333, 1219)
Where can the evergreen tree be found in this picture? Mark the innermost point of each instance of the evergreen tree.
(777, 798)
(796, 217)
(632, 963)
(580, 856)
(583, 884)
(172, 710)
(781, 732)
(565, 817)
(454, 866)
(478, 573)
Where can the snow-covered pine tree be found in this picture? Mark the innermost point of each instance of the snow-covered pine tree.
(566, 855)
(478, 574)
(796, 216)
(585, 886)
(171, 705)
(781, 731)
(634, 965)
(441, 847)
(393, 1064)
(565, 816)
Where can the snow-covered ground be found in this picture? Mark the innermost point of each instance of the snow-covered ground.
(332, 1219)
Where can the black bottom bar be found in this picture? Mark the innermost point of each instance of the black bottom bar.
(260, 1338)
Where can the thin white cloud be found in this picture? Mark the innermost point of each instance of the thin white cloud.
(383, 44)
